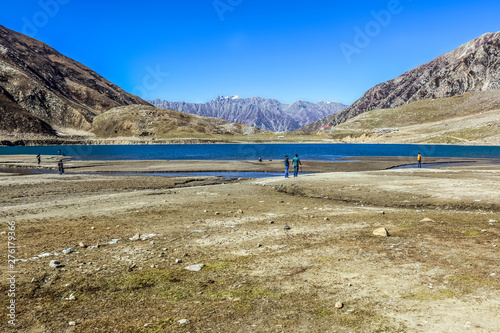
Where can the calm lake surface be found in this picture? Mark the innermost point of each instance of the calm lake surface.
(231, 152)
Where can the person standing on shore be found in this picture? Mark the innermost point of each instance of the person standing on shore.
(287, 165)
(38, 158)
(61, 167)
(419, 160)
(296, 162)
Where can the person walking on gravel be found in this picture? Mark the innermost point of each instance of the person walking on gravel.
(296, 162)
(287, 165)
(419, 160)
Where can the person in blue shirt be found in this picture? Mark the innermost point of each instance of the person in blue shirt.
(287, 165)
(296, 162)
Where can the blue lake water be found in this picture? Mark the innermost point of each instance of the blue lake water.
(231, 152)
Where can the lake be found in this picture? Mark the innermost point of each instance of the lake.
(231, 152)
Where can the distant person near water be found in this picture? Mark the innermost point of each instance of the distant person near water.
(60, 152)
(61, 167)
(260, 159)
(419, 160)
(296, 162)
(287, 165)
(38, 158)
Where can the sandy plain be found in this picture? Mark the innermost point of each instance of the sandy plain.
(438, 271)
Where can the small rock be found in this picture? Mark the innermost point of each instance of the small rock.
(217, 213)
(286, 228)
(381, 232)
(178, 261)
(326, 219)
(148, 324)
(55, 264)
(427, 220)
(68, 250)
(381, 212)
(136, 237)
(82, 244)
(72, 323)
(281, 201)
(339, 305)
(92, 228)
(272, 222)
(183, 321)
(195, 268)
(240, 211)
(259, 245)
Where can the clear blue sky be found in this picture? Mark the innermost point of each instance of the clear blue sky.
(194, 50)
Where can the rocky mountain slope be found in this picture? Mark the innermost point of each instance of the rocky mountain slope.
(148, 121)
(473, 67)
(41, 89)
(268, 114)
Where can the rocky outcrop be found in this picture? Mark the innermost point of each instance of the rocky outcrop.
(267, 114)
(40, 88)
(473, 67)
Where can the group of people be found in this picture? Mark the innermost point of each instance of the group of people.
(295, 162)
(60, 164)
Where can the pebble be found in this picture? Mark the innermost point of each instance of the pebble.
(55, 264)
(194, 268)
(72, 323)
(286, 228)
(68, 250)
(326, 219)
(339, 305)
(92, 228)
(178, 261)
(135, 237)
(82, 244)
(217, 213)
(381, 232)
(240, 211)
(183, 321)
(427, 220)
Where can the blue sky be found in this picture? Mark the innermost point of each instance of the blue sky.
(194, 50)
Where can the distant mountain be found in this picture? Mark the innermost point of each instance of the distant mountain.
(473, 67)
(41, 89)
(267, 114)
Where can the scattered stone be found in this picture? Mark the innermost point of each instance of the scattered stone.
(72, 323)
(183, 321)
(259, 245)
(339, 305)
(113, 241)
(493, 274)
(198, 231)
(82, 244)
(217, 213)
(492, 221)
(272, 222)
(147, 324)
(205, 236)
(281, 201)
(55, 264)
(132, 267)
(349, 284)
(92, 228)
(286, 228)
(205, 211)
(381, 212)
(178, 261)
(240, 211)
(46, 254)
(381, 232)
(69, 298)
(161, 255)
(68, 250)
(93, 247)
(136, 237)
(194, 268)
(427, 220)
(305, 208)
(326, 219)
(154, 266)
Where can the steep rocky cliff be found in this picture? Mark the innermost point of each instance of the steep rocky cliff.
(40, 88)
(268, 114)
(474, 66)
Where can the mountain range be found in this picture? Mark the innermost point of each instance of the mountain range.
(473, 67)
(267, 114)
